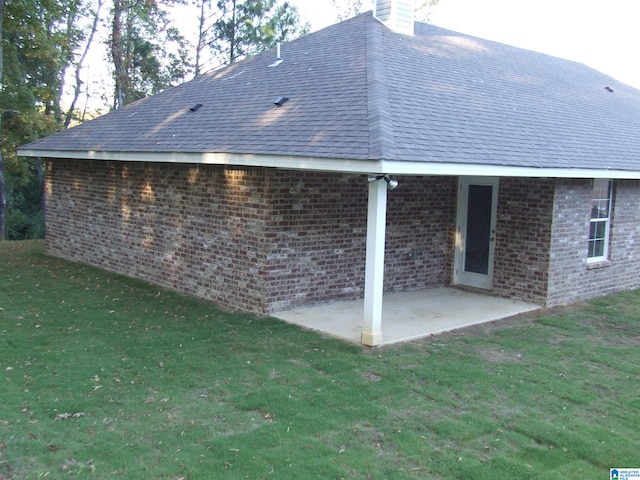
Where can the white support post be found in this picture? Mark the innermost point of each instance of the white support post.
(374, 274)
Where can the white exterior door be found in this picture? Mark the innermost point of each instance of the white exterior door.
(475, 231)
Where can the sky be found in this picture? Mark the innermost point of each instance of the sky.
(604, 34)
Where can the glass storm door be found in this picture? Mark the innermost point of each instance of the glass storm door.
(475, 231)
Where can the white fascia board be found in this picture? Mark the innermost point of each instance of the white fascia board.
(472, 170)
(236, 159)
(339, 165)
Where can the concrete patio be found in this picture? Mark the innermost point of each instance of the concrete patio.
(408, 316)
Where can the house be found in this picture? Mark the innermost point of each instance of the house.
(264, 185)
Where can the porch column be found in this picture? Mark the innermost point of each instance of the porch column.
(374, 274)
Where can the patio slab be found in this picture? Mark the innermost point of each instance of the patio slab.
(408, 316)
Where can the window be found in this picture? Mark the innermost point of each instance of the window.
(600, 220)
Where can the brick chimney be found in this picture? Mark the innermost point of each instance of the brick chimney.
(395, 14)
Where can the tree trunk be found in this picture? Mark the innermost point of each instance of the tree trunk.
(41, 189)
(78, 85)
(117, 53)
(232, 38)
(201, 38)
(3, 192)
(3, 184)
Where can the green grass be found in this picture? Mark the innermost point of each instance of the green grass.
(106, 377)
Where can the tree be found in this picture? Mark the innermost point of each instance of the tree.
(424, 8)
(285, 25)
(79, 64)
(24, 177)
(346, 8)
(38, 39)
(350, 8)
(148, 55)
(3, 184)
(203, 19)
(237, 29)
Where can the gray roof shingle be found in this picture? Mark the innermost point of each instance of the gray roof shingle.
(359, 91)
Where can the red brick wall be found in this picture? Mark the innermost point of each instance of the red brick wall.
(541, 241)
(260, 240)
(195, 229)
(523, 236)
(264, 240)
(315, 239)
(317, 236)
(421, 215)
(571, 278)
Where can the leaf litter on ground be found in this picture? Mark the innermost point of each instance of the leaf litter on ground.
(109, 377)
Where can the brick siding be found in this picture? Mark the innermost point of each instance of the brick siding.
(571, 278)
(523, 236)
(265, 240)
(195, 229)
(252, 239)
(317, 237)
(419, 249)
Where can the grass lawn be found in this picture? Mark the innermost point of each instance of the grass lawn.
(106, 377)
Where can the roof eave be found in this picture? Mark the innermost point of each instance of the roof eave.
(339, 165)
(288, 162)
(480, 170)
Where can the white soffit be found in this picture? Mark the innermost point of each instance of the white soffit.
(340, 165)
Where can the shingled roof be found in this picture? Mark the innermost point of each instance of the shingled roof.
(360, 95)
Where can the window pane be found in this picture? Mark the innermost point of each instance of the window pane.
(597, 230)
(600, 209)
(601, 198)
(600, 217)
(601, 188)
(596, 248)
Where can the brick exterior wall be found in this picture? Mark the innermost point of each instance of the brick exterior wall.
(421, 216)
(317, 237)
(266, 240)
(257, 240)
(195, 229)
(523, 236)
(571, 278)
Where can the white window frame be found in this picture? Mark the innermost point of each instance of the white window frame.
(598, 203)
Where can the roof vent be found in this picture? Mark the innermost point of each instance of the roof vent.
(195, 107)
(398, 15)
(278, 59)
(609, 89)
(278, 102)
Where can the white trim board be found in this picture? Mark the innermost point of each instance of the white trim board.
(341, 165)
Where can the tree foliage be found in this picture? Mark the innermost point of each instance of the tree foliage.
(39, 38)
(237, 29)
(79, 61)
(44, 42)
(25, 177)
(350, 8)
(424, 9)
(346, 8)
(148, 53)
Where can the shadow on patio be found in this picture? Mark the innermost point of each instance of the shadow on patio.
(408, 316)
